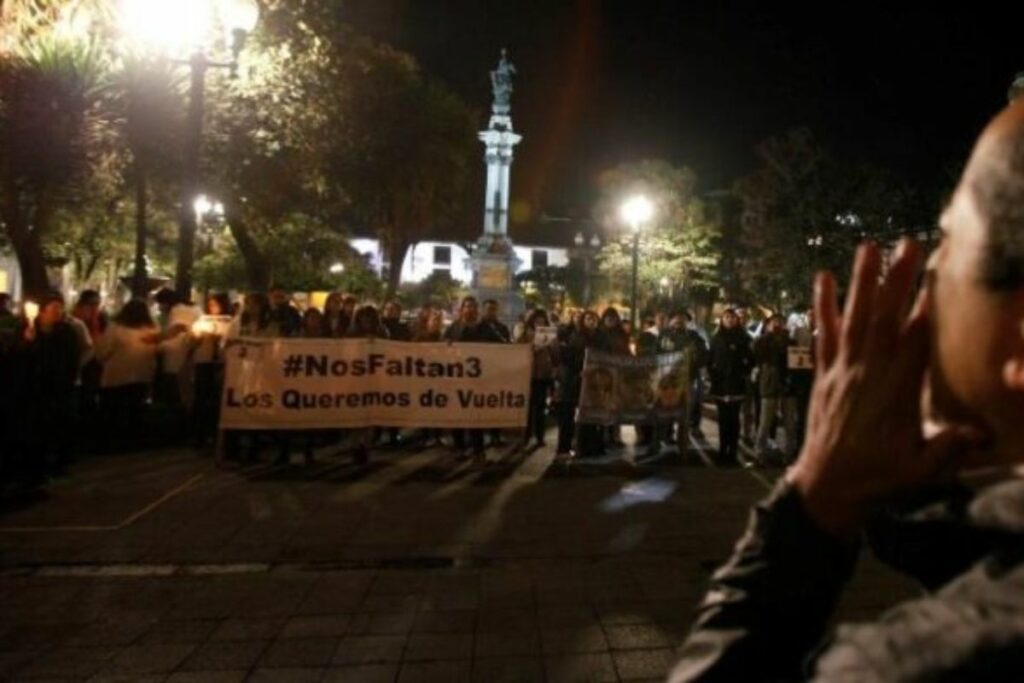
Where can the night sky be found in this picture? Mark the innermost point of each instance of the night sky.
(701, 83)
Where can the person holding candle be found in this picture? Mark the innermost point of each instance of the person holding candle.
(128, 352)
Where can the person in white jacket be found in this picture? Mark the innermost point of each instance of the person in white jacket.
(128, 353)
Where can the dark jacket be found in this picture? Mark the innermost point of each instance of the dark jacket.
(688, 341)
(53, 359)
(570, 356)
(397, 330)
(772, 356)
(481, 333)
(731, 362)
(614, 340)
(498, 330)
(766, 612)
(288, 319)
(336, 326)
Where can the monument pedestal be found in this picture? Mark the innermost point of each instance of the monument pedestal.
(494, 265)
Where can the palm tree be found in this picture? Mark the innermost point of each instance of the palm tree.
(50, 87)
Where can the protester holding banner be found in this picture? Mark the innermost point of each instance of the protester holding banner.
(392, 320)
(468, 328)
(649, 435)
(337, 315)
(572, 351)
(255, 320)
(366, 324)
(208, 370)
(287, 317)
(312, 323)
(541, 378)
(429, 329)
(614, 339)
(731, 363)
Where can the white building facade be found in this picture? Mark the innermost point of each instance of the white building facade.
(428, 257)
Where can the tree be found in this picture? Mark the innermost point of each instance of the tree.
(805, 210)
(680, 244)
(329, 125)
(50, 88)
(410, 149)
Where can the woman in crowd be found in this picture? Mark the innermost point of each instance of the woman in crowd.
(255, 319)
(208, 362)
(335, 320)
(540, 379)
(128, 352)
(573, 344)
(731, 363)
(254, 322)
(430, 328)
(314, 323)
(366, 324)
(614, 339)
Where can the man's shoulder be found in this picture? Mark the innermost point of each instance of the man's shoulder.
(973, 624)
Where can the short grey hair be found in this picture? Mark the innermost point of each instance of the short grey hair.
(998, 187)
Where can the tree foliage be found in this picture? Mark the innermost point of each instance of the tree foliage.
(804, 210)
(681, 242)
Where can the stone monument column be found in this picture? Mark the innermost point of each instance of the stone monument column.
(493, 260)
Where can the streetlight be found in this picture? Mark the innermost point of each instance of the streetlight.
(185, 27)
(204, 206)
(636, 211)
(587, 250)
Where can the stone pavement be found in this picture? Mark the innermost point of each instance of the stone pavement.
(161, 567)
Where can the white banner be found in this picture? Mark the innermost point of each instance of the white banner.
(333, 383)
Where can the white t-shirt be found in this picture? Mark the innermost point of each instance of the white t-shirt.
(175, 349)
(126, 357)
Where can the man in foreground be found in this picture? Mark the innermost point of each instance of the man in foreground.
(766, 612)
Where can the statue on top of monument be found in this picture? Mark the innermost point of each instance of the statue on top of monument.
(501, 83)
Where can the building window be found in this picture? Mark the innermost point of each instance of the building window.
(539, 258)
(442, 256)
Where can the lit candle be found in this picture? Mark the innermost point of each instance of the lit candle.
(31, 310)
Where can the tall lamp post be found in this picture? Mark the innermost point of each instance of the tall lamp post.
(185, 26)
(586, 249)
(635, 212)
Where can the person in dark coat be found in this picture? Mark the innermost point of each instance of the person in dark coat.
(731, 363)
(52, 353)
(469, 328)
(392, 320)
(772, 353)
(573, 345)
(282, 312)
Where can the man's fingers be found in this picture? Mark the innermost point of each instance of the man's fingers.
(860, 300)
(826, 317)
(895, 296)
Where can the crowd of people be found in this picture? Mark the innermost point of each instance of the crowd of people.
(87, 379)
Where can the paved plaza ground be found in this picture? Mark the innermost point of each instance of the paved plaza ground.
(162, 567)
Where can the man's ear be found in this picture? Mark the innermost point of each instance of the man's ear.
(1013, 370)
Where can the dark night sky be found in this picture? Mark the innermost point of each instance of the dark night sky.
(700, 83)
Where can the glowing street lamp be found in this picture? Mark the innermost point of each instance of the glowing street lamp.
(636, 212)
(183, 30)
(204, 206)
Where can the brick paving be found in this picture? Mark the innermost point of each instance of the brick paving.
(416, 568)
